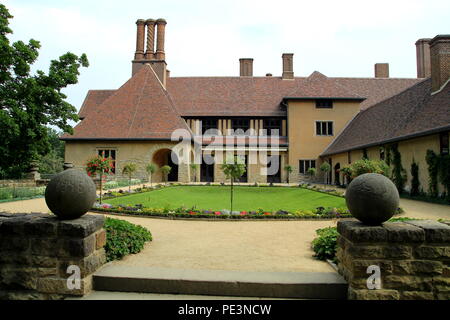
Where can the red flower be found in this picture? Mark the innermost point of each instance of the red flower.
(267, 213)
(243, 213)
(192, 212)
(217, 213)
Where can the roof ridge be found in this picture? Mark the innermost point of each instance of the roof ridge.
(137, 104)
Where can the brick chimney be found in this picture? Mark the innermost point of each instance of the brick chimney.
(381, 70)
(150, 52)
(440, 61)
(246, 67)
(161, 25)
(140, 40)
(288, 66)
(423, 58)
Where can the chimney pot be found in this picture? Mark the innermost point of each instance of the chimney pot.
(140, 40)
(161, 27)
(150, 52)
(440, 61)
(423, 58)
(288, 66)
(268, 74)
(381, 70)
(246, 67)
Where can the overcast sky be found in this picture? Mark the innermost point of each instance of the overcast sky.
(207, 38)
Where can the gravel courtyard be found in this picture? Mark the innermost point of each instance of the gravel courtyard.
(233, 245)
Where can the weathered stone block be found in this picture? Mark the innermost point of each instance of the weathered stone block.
(60, 286)
(14, 243)
(356, 231)
(426, 266)
(408, 283)
(45, 246)
(366, 294)
(364, 251)
(77, 247)
(395, 251)
(87, 265)
(432, 252)
(403, 232)
(359, 267)
(100, 239)
(434, 231)
(81, 227)
(442, 284)
(44, 226)
(417, 295)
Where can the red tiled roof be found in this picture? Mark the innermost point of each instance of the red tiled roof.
(111, 114)
(318, 85)
(413, 112)
(140, 109)
(93, 99)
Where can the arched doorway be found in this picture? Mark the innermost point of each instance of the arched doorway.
(163, 157)
(337, 177)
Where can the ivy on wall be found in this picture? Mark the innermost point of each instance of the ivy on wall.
(444, 172)
(398, 173)
(415, 183)
(432, 161)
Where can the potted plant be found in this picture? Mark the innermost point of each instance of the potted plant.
(101, 166)
(129, 169)
(288, 168)
(165, 171)
(151, 169)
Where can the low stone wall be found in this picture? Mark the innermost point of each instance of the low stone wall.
(37, 249)
(413, 257)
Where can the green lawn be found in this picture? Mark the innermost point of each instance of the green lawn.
(245, 198)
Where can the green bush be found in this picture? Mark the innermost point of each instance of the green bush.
(124, 238)
(21, 192)
(325, 244)
(367, 166)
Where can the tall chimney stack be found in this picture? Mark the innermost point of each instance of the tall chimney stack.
(381, 70)
(150, 52)
(423, 58)
(288, 66)
(246, 67)
(440, 61)
(161, 25)
(140, 40)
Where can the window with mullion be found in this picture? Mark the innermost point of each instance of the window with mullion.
(209, 124)
(240, 124)
(272, 124)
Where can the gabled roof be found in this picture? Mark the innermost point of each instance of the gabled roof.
(411, 113)
(94, 98)
(318, 85)
(140, 109)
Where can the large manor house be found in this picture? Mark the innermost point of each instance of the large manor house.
(304, 121)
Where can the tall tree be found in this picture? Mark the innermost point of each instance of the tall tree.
(31, 102)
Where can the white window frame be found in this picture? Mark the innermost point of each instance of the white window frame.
(323, 135)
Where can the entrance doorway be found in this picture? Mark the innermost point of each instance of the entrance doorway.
(244, 177)
(163, 158)
(275, 177)
(337, 178)
(207, 169)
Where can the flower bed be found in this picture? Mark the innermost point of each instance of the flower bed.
(139, 210)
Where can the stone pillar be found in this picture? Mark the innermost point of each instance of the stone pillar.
(37, 249)
(34, 174)
(161, 26)
(150, 52)
(140, 40)
(184, 173)
(68, 165)
(413, 259)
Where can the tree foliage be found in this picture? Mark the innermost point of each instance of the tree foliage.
(234, 168)
(129, 169)
(29, 103)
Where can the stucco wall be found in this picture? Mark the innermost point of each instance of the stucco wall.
(413, 149)
(140, 153)
(303, 142)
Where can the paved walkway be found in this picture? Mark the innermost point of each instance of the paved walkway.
(233, 245)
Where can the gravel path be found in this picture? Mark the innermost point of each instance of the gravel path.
(233, 245)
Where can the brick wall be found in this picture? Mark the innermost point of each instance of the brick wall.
(413, 256)
(36, 249)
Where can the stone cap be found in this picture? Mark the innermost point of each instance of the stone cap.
(394, 232)
(40, 224)
(140, 21)
(440, 38)
(161, 21)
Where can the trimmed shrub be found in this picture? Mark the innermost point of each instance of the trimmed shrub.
(325, 244)
(124, 238)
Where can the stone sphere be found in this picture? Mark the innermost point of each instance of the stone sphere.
(70, 194)
(372, 198)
